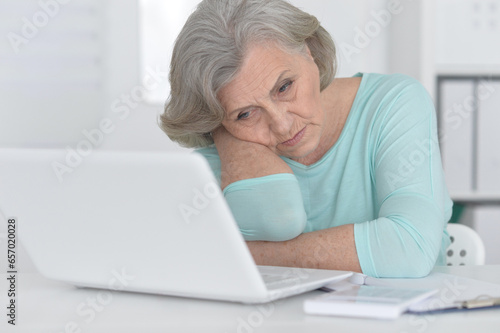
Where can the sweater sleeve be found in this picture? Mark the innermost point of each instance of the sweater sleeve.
(266, 208)
(413, 203)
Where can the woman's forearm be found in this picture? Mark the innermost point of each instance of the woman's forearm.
(244, 160)
(332, 248)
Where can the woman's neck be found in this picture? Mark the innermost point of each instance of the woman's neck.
(337, 100)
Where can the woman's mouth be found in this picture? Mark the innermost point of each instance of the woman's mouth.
(293, 141)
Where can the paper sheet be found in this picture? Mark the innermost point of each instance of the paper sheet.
(452, 289)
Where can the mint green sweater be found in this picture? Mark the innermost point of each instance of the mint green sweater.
(384, 175)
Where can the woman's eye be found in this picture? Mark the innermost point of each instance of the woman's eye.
(284, 87)
(243, 115)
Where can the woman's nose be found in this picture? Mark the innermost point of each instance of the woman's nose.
(280, 121)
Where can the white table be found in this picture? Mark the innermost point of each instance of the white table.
(50, 306)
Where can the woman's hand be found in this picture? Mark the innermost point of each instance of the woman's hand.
(243, 159)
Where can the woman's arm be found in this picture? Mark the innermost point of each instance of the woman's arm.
(407, 238)
(333, 248)
(260, 188)
(243, 160)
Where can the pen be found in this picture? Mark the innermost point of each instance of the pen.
(479, 302)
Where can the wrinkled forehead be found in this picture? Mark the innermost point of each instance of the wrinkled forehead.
(256, 77)
(263, 66)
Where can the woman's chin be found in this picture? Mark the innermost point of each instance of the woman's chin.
(301, 153)
(306, 153)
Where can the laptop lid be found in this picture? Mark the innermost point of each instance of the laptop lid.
(139, 221)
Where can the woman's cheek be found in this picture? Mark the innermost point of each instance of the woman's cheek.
(254, 135)
(252, 129)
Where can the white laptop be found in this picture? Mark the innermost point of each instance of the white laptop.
(146, 222)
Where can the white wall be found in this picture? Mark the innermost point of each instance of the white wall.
(51, 71)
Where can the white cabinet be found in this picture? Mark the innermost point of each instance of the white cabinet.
(456, 124)
(469, 116)
(488, 137)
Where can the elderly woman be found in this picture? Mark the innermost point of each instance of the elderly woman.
(319, 172)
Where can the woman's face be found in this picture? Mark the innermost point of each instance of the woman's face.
(274, 100)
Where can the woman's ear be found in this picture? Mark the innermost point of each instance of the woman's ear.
(308, 50)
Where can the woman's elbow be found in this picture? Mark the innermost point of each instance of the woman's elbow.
(420, 267)
(276, 225)
(288, 224)
(415, 264)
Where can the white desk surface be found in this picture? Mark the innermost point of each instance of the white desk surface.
(50, 306)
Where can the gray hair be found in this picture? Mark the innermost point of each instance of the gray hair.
(209, 52)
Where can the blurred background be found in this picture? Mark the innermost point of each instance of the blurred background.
(92, 74)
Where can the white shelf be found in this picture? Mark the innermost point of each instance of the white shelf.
(476, 197)
(466, 70)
